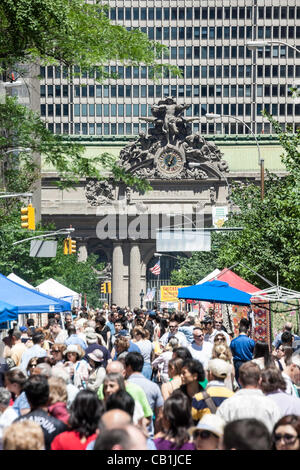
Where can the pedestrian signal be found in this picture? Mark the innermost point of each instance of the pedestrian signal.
(103, 288)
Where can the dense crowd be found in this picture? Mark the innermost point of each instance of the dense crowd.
(133, 379)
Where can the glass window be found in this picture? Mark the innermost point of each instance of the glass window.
(50, 91)
(76, 109)
(136, 14)
(42, 91)
(98, 110)
(84, 110)
(91, 109)
(120, 91)
(166, 14)
(128, 90)
(65, 109)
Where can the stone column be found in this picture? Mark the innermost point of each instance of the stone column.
(134, 276)
(82, 252)
(117, 275)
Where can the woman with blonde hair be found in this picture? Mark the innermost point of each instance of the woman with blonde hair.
(222, 351)
(23, 435)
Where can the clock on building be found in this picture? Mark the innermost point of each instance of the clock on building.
(170, 162)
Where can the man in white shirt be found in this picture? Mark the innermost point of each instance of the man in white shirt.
(173, 331)
(200, 349)
(250, 401)
(210, 331)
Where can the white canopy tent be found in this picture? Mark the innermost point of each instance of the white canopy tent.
(277, 294)
(58, 290)
(18, 280)
(209, 276)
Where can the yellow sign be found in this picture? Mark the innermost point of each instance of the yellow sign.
(169, 293)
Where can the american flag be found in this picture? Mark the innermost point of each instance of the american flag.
(156, 268)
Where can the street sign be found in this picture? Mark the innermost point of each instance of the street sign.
(43, 248)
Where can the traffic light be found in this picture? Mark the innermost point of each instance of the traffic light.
(103, 288)
(66, 246)
(108, 287)
(28, 217)
(72, 246)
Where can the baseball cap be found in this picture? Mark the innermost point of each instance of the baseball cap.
(96, 355)
(218, 368)
(23, 329)
(210, 422)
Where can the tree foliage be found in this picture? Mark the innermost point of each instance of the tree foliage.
(80, 276)
(269, 243)
(73, 32)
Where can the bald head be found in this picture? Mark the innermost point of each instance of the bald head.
(115, 367)
(137, 437)
(113, 419)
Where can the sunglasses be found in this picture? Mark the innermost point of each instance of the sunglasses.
(55, 350)
(204, 434)
(220, 338)
(198, 336)
(288, 438)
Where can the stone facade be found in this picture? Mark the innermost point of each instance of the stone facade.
(189, 175)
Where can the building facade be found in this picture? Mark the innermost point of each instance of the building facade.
(207, 41)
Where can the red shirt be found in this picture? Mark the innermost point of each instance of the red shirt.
(70, 440)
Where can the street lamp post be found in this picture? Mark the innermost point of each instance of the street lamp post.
(261, 161)
(253, 45)
(142, 293)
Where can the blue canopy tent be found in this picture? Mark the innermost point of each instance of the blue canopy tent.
(215, 291)
(16, 299)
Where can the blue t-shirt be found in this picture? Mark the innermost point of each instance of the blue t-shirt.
(21, 403)
(242, 348)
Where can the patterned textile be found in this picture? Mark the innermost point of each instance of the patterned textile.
(262, 319)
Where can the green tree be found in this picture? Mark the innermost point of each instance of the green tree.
(72, 33)
(270, 240)
(79, 276)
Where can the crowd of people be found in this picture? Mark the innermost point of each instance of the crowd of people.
(133, 379)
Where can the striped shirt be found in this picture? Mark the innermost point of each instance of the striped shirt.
(217, 391)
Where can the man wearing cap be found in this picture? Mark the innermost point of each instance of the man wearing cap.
(208, 433)
(92, 344)
(35, 351)
(215, 392)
